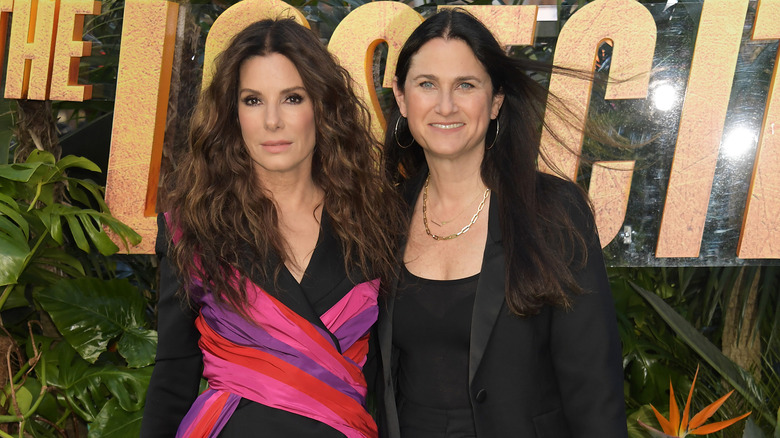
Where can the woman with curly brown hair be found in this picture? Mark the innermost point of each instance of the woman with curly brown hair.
(280, 230)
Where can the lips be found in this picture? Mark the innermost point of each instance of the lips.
(276, 146)
(276, 143)
(447, 125)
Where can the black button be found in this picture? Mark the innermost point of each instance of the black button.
(481, 396)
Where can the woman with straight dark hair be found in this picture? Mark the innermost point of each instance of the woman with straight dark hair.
(502, 322)
(280, 231)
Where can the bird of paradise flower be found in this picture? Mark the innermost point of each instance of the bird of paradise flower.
(677, 427)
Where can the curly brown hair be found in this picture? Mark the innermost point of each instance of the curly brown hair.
(220, 212)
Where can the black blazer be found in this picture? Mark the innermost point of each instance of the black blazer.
(557, 374)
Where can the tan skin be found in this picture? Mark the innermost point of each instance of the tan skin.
(277, 124)
(448, 100)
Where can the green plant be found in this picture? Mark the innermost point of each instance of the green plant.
(671, 318)
(675, 426)
(79, 345)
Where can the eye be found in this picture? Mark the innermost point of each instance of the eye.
(465, 86)
(294, 99)
(426, 84)
(251, 101)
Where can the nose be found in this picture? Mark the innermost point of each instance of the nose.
(273, 119)
(446, 104)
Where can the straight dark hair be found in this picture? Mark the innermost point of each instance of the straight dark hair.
(539, 238)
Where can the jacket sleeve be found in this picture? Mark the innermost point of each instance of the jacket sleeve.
(586, 346)
(179, 361)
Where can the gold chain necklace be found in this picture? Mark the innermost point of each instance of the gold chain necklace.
(442, 223)
(464, 229)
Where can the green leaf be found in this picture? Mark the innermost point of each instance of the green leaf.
(77, 233)
(9, 207)
(127, 385)
(95, 190)
(61, 260)
(13, 259)
(16, 299)
(24, 399)
(99, 238)
(752, 430)
(740, 379)
(69, 373)
(50, 217)
(12, 230)
(86, 388)
(138, 346)
(86, 225)
(21, 172)
(69, 161)
(115, 422)
(39, 156)
(123, 231)
(90, 312)
(644, 415)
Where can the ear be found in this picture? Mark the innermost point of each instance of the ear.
(399, 97)
(498, 100)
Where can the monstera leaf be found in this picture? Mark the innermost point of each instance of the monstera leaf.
(86, 388)
(34, 221)
(115, 422)
(90, 313)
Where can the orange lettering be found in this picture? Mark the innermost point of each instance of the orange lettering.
(69, 48)
(235, 19)
(30, 50)
(143, 82)
(701, 128)
(355, 40)
(6, 6)
(631, 28)
(760, 237)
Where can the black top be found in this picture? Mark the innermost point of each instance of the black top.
(177, 372)
(431, 329)
(555, 374)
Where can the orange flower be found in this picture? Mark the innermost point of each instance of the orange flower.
(675, 427)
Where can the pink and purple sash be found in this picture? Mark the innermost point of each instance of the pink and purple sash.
(282, 360)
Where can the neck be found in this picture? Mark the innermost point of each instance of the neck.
(451, 184)
(293, 196)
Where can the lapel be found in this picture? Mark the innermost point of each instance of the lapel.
(490, 294)
(385, 322)
(387, 385)
(324, 272)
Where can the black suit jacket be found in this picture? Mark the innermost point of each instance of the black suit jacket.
(557, 374)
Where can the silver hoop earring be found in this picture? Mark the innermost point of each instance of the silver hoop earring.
(494, 138)
(395, 134)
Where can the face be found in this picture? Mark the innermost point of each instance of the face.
(276, 116)
(448, 99)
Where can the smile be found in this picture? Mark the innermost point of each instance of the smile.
(447, 126)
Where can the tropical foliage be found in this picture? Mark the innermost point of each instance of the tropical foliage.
(676, 426)
(79, 346)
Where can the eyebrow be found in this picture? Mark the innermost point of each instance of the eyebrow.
(457, 79)
(285, 91)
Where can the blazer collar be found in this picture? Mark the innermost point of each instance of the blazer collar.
(324, 272)
(490, 294)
